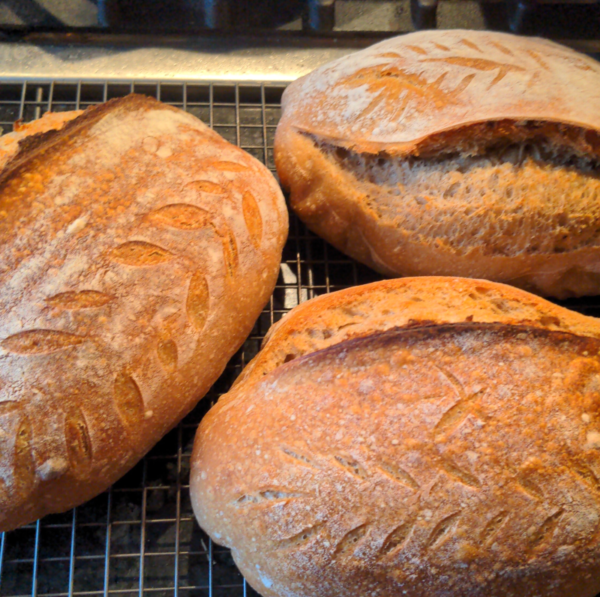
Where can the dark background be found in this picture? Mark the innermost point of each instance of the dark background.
(567, 19)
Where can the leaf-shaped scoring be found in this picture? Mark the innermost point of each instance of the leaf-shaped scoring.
(40, 341)
(167, 355)
(84, 299)
(180, 215)
(349, 541)
(140, 253)
(225, 166)
(23, 456)
(397, 538)
(252, 218)
(198, 299)
(230, 252)
(77, 438)
(206, 186)
(546, 529)
(128, 399)
(443, 529)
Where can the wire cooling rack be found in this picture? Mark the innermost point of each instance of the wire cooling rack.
(140, 537)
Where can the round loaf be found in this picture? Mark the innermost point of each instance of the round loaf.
(414, 443)
(462, 153)
(137, 249)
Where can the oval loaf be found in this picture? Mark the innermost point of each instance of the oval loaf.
(423, 436)
(464, 153)
(137, 249)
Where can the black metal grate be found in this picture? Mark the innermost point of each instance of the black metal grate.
(140, 536)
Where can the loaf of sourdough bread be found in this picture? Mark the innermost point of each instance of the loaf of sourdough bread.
(464, 153)
(137, 249)
(421, 436)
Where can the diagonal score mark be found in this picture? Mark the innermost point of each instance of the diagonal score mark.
(351, 466)
(454, 416)
(470, 44)
(40, 341)
(418, 50)
(479, 64)
(457, 413)
(580, 470)
(301, 538)
(267, 496)
(442, 530)
(546, 530)
(350, 540)
(492, 527)
(398, 87)
(527, 485)
(538, 59)
(397, 538)
(464, 83)
(502, 48)
(459, 388)
(459, 474)
(373, 105)
(393, 55)
(501, 74)
(298, 456)
(397, 474)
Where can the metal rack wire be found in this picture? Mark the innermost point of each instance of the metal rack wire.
(140, 536)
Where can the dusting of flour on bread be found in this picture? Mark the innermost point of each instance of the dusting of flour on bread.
(402, 90)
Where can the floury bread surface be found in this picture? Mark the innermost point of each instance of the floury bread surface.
(463, 153)
(424, 436)
(137, 249)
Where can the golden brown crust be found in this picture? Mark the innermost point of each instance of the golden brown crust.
(463, 187)
(138, 248)
(458, 457)
(402, 303)
(9, 143)
(396, 94)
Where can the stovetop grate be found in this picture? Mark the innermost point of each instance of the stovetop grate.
(140, 537)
